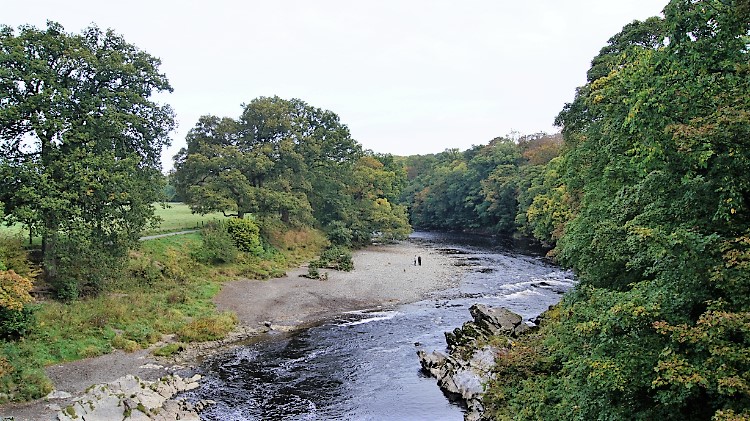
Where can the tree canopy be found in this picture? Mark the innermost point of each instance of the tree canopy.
(288, 159)
(488, 188)
(655, 183)
(80, 144)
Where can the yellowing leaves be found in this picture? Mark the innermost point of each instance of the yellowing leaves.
(14, 290)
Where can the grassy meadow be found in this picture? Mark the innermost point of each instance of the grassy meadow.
(174, 217)
(178, 217)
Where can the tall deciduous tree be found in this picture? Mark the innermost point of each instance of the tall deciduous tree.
(80, 143)
(275, 159)
(283, 158)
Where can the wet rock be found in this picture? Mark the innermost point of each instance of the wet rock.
(468, 365)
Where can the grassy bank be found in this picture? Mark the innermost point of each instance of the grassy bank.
(164, 291)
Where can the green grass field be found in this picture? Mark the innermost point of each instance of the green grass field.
(178, 217)
(175, 217)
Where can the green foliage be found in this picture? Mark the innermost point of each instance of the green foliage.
(339, 234)
(83, 263)
(16, 323)
(656, 224)
(15, 257)
(246, 235)
(169, 350)
(19, 380)
(487, 188)
(287, 159)
(334, 257)
(125, 344)
(208, 328)
(16, 313)
(313, 271)
(80, 144)
(218, 246)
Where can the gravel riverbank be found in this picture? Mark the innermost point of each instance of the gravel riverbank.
(383, 276)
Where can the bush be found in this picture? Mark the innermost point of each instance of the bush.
(83, 261)
(217, 247)
(127, 345)
(145, 270)
(338, 258)
(15, 324)
(339, 234)
(16, 317)
(13, 256)
(246, 235)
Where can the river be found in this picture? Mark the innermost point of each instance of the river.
(363, 365)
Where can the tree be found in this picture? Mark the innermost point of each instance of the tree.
(276, 159)
(80, 143)
(371, 194)
(288, 159)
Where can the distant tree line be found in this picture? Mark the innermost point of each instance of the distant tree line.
(495, 188)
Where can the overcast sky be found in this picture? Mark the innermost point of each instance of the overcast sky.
(406, 76)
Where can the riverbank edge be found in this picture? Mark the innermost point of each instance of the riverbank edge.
(144, 365)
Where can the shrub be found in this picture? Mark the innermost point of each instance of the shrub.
(146, 271)
(313, 270)
(15, 324)
(217, 247)
(16, 317)
(338, 258)
(339, 234)
(13, 256)
(83, 261)
(127, 345)
(246, 235)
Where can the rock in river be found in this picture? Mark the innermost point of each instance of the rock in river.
(469, 363)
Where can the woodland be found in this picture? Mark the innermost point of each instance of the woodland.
(645, 194)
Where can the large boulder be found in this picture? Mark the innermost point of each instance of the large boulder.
(470, 360)
(498, 320)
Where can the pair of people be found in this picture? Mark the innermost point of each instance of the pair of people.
(418, 260)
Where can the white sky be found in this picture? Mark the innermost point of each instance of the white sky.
(406, 76)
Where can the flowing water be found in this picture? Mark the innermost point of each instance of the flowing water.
(363, 365)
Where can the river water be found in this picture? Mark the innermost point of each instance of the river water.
(363, 365)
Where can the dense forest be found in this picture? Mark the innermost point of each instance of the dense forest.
(648, 203)
(496, 188)
(645, 194)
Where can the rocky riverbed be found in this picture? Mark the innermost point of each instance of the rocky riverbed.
(471, 355)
